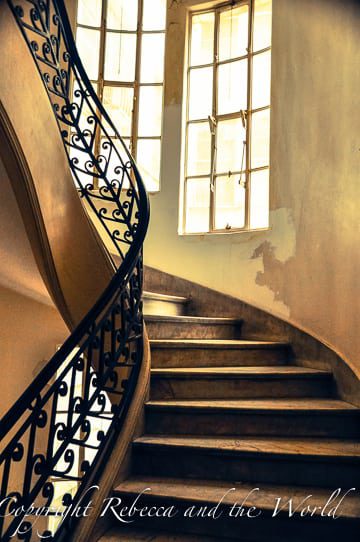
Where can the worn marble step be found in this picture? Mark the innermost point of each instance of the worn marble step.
(192, 327)
(240, 382)
(272, 417)
(162, 304)
(217, 353)
(320, 462)
(261, 501)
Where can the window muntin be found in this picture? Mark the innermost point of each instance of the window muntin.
(122, 46)
(228, 119)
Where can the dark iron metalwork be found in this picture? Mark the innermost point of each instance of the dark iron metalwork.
(65, 424)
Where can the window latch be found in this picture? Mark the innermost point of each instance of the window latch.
(212, 124)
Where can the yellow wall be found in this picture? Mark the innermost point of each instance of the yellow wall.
(31, 327)
(306, 268)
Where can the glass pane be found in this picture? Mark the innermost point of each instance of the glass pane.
(197, 205)
(259, 199)
(260, 139)
(118, 102)
(154, 14)
(262, 25)
(198, 149)
(152, 58)
(122, 14)
(89, 12)
(150, 111)
(202, 39)
(229, 203)
(232, 87)
(148, 160)
(200, 93)
(261, 84)
(231, 155)
(120, 57)
(233, 34)
(88, 45)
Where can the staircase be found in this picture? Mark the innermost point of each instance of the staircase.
(225, 412)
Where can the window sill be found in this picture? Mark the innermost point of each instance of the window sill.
(224, 232)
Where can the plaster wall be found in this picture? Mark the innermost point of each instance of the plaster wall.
(306, 267)
(31, 327)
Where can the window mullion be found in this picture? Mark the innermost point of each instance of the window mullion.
(214, 125)
(135, 115)
(100, 80)
(248, 116)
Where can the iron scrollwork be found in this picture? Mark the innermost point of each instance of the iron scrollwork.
(62, 427)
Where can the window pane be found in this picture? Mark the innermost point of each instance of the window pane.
(152, 58)
(262, 25)
(89, 12)
(202, 39)
(198, 149)
(200, 93)
(231, 154)
(148, 160)
(232, 87)
(122, 14)
(233, 36)
(150, 111)
(118, 102)
(88, 45)
(154, 14)
(259, 204)
(120, 57)
(197, 205)
(229, 203)
(260, 139)
(261, 80)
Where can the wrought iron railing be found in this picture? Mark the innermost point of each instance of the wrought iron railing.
(62, 429)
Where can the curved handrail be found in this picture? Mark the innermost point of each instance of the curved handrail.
(85, 389)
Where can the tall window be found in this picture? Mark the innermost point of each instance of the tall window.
(121, 43)
(228, 118)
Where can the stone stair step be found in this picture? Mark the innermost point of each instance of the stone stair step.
(320, 462)
(239, 382)
(162, 304)
(184, 493)
(245, 417)
(210, 352)
(192, 327)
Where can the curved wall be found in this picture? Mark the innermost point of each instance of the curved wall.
(31, 327)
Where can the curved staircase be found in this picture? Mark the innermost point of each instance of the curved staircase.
(228, 415)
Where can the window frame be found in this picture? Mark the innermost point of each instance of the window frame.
(217, 9)
(136, 85)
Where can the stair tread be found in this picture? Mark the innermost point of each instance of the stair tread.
(165, 297)
(192, 319)
(241, 372)
(260, 405)
(318, 447)
(210, 491)
(215, 343)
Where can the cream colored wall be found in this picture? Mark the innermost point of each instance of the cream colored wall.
(30, 327)
(306, 267)
(29, 334)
